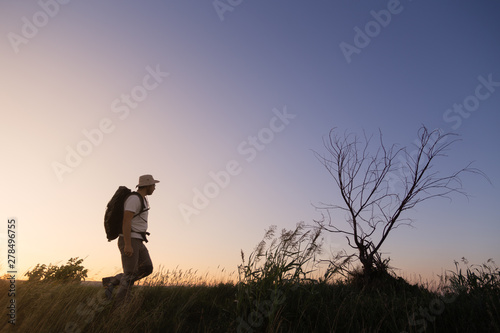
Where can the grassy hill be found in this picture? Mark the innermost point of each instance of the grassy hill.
(391, 305)
(278, 290)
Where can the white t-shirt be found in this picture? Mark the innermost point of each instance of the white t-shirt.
(140, 222)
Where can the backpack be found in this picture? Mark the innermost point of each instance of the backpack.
(113, 217)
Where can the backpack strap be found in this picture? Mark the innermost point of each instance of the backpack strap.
(143, 208)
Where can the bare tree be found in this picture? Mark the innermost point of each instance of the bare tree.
(378, 187)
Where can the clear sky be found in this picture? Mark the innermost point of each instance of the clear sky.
(96, 93)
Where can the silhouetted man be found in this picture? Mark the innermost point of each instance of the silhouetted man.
(136, 261)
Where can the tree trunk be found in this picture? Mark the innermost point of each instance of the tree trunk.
(367, 262)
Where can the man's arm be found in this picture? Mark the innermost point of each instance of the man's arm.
(126, 230)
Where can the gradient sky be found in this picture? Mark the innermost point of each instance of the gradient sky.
(220, 77)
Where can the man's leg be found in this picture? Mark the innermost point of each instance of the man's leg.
(110, 283)
(145, 265)
(130, 266)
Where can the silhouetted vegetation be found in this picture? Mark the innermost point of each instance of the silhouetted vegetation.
(279, 290)
(377, 186)
(72, 271)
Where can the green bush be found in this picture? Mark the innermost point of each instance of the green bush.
(73, 271)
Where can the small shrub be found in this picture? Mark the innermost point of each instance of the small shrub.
(73, 271)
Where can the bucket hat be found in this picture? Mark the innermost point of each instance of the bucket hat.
(146, 180)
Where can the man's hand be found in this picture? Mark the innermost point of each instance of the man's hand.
(126, 229)
(128, 250)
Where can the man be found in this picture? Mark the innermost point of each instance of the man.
(136, 261)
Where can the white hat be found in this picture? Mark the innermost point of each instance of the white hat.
(146, 180)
